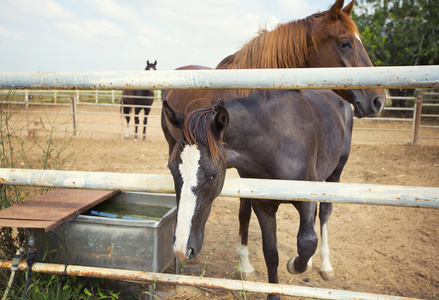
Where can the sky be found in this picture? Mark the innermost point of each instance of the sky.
(121, 35)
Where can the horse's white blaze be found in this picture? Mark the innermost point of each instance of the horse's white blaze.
(324, 250)
(246, 266)
(190, 157)
(358, 37)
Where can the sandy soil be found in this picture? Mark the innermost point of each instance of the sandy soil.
(374, 249)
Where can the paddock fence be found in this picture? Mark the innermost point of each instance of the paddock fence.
(98, 112)
(93, 113)
(413, 77)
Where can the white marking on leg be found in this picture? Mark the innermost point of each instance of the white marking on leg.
(127, 131)
(246, 266)
(358, 37)
(190, 157)
(324, 250)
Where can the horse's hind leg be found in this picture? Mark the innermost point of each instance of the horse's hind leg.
(245, 212)
(326, 270)
(145, 121)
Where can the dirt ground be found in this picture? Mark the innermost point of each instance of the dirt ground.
(374, 249)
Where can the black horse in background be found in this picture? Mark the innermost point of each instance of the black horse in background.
(139, 99)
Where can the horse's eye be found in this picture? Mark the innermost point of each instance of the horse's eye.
(214, 175)
(345, 44)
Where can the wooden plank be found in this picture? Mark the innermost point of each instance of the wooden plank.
(46, 225)
(54, 208)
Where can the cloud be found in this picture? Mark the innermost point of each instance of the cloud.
(4, 32)
(122, 34)
(41, 8)
(117, 10)
(90, 30)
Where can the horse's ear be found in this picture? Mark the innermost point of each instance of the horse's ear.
(147, 62)
(334, 11)
(349, 7)
(155, 63)
(221, 120)
(175, 117)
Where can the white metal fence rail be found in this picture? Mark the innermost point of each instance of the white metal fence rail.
(324, 78)
(427, 197)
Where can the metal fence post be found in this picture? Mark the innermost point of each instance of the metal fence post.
(26, 100)
(97, 96)
(74, 116)
(416, 118)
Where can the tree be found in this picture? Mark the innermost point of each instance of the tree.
(399, 32)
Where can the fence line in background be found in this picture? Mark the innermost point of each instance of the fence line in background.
(414, 132)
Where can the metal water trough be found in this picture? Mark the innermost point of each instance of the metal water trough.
(130, 231)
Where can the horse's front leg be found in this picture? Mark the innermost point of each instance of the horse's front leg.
(326, 271)
(245, 211)
(266, 210)
(306, 238)
(126, 112)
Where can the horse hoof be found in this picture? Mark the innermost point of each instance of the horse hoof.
(327, 275)
(292, 270)
(273, 297)
(249, 276)
(135, 140)
(126, 135)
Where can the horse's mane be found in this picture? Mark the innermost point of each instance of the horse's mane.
(284, 47)
(197, 129)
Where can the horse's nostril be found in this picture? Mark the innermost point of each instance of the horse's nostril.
(377, 104)
(190, 254)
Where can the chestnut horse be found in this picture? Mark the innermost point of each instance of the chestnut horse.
(327, 39)
(280, 134)
(139, 99)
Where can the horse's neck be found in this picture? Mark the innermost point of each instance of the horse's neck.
(244, 114)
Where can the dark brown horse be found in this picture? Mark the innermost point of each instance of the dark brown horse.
(138, 99)
(327, 39)
(277, 135)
